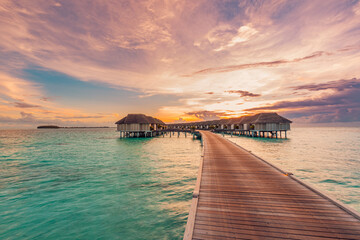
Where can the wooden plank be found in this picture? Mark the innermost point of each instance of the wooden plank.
(283, 225)
(279, 209)
(189, 229)
(275, 218)
(241, 196)
(263, 213)
(263, 233)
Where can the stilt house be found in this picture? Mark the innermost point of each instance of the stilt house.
(139, 125)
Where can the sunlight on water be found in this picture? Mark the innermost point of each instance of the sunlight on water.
(326, 157)
(89, 184)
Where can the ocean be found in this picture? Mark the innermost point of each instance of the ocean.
(89, 184)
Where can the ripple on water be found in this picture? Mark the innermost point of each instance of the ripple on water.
(332, 181)
(305, 170)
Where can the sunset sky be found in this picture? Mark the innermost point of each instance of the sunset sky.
(89, 63)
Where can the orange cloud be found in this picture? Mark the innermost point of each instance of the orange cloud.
(254, 65)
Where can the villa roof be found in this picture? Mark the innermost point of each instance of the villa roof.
(139, 118)
(265, 118)
(237, 120)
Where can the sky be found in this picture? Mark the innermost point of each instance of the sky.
(90, 63)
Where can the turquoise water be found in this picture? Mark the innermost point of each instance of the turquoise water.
(327, 158)
(89, 184)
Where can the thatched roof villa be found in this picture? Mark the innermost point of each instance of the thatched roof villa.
(266, 122)
(139, 125)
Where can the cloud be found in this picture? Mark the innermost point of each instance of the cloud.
(254, 65)
(30, 120)
(225, 36)
(244, 33)
(356, 8)
(243, 93)
(17, 88)
(180, 120)
(341, 104)
(24, 119)
(24, 105)
(80, 117)
(339, 85)
(46, 99)
(27, 117)
(206, 115)
(344, 115)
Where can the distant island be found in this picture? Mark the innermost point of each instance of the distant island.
(56, 127)
(48, 126)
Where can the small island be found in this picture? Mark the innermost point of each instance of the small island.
(48, 126)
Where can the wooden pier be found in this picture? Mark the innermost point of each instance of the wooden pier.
(241, 196)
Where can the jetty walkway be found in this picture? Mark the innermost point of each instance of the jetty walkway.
(240, 196)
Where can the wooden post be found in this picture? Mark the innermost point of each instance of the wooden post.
(285, 135)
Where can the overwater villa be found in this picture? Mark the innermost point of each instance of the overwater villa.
(258, 125)
(139, 125)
